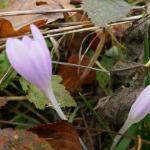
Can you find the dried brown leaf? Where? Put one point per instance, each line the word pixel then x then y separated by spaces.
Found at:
pixel 22 140
pixel 71 74
pixel 61 135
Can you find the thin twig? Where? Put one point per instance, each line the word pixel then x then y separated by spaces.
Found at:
pixel 13 98
pixel 6 74
pixel 81 66
pixel 88 132
pixel 65 24
pixel 31 12
pixel 16 123
pixel 67 28
pixel 113 132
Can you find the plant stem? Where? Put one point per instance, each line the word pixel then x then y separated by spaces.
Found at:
pixel 53 101
pixel 123 129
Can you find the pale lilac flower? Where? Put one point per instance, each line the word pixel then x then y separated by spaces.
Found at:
pixel 31 59
pixel 139 109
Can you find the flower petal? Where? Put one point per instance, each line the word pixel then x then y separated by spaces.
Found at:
pixel 141 107
pixel 37 36
pixel 18 56
pixel 25 63
pixel 42 64
pixel 26 40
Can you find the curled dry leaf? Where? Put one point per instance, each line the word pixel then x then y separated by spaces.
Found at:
pixel 71 74
pixel 61 135
pixel 22 140
pixel 7 30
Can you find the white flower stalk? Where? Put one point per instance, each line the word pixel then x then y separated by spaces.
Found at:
pixel 139 109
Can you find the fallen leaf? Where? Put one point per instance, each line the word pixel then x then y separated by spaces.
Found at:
pixel 7 30
pixel 102 12
pixel 61 135
pixel 17 25
pixel 74 41
pixel 71 74
pixel 22 140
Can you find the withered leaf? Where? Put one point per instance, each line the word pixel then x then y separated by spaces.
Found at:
pixel 17 25
pixel 61 135
pixel 72 74
pixel 22 140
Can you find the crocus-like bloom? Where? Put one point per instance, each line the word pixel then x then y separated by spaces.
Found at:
pixel 139 109
pixel 31 59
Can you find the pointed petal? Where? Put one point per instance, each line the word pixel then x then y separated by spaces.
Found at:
pixel 26 40
pixel 37 36
pixel 18 56
pixel 141 107
pixel 23 62
pixel 42 63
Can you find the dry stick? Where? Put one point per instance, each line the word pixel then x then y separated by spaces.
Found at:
pixel 139 143
pixel 88 131
pixel 85 29
pixel 67 28
pixel 74 31
pixel 52 32
pixel 113 132
pixel 31 12
pixel 81 66
pixel 13 98
pixel 15 123
pixel 65 24
pixel 81 47
pixel 94 58
pixel 6 74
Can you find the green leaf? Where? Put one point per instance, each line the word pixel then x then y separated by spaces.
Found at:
pixel 37 97
pixel 40 100
pixel 3 3
pixel 103 12
pixel 24 84
pixel 63 96
pixel 103 78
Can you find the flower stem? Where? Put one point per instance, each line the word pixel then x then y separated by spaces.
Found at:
pixel 53 101
pixel 123 129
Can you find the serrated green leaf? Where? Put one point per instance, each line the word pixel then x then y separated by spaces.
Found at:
pixel 102 12
pixel 40 100
pixel 63 96
pixel 24 84
pixel 37 97
pixel 34 95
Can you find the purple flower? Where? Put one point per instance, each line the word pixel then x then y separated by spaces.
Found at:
pixel 139 109
pixel 31 59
